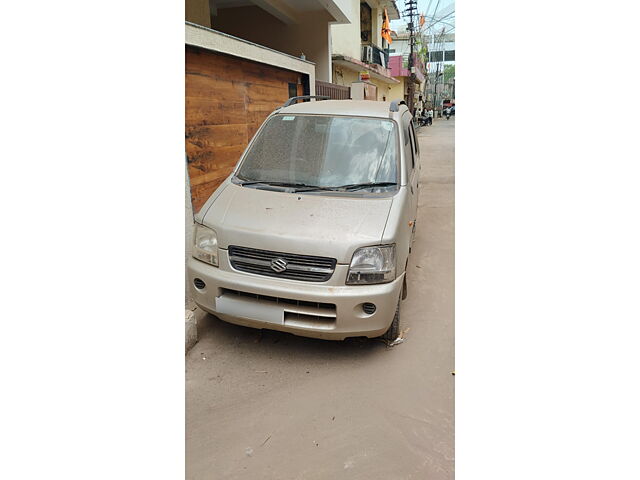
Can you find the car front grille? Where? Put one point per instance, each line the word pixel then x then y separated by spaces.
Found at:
pixel 298 267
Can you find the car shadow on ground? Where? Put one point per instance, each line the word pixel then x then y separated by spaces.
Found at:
pixel 215 333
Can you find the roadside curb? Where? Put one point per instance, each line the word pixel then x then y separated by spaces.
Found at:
pixel 191 330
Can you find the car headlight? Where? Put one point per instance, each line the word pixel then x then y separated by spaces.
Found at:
pixel 372 265
pixel 205 245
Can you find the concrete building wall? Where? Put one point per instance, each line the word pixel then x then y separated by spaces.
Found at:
pixel 197 11
pixel 310 36
pixel 219 42
pixel 344 6
pixel 397 90
pixel 345 39
pixel 383 89
pixel 344 76
pixel 376 26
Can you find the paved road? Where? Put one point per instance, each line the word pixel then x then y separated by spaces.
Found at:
pixel 282 407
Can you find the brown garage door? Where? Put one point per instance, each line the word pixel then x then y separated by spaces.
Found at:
pixel 227 99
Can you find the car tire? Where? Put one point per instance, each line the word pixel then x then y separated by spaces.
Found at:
pixel 394 330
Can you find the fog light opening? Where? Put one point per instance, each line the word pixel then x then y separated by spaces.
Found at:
pixel 199 284
pixel 368 308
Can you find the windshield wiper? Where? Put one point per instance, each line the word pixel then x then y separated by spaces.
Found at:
pixel 303 187
pixel 311 188
pixel 360 186
pixel 299 187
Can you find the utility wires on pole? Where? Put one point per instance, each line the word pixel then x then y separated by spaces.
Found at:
pixel 411 13
pixel 440 21
pixel 438 44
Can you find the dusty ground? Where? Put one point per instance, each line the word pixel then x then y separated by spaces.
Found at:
pixel 280 407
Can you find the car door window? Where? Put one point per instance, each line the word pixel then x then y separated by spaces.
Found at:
pixel 413 146
pixel 415 140
pixel 408 143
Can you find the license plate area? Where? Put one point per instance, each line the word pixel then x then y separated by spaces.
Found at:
pixel 249 308
pixel 302 314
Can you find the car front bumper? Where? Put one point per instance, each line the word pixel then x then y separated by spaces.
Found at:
pixel 318 310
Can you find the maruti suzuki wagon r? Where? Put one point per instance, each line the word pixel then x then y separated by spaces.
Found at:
pixel 311 233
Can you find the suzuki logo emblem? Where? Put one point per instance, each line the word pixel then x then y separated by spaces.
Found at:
pixel 278 265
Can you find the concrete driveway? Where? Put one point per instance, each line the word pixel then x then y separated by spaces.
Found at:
pixel 276 406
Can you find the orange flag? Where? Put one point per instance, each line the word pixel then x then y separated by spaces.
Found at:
pixel 386 29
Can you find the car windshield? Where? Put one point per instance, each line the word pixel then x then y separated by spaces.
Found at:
pixel 323 151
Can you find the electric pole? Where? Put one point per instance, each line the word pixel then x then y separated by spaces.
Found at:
pixel 438 45
pixel 411 12
pixel 435 87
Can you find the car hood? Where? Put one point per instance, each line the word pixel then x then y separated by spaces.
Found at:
pixel 306 224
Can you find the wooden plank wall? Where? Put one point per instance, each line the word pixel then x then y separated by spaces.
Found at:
pixel 227 99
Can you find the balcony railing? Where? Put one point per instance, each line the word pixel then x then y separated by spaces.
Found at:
pixel 333 91
pixel 373 54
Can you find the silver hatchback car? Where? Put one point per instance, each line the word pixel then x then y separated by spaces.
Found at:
pixel 311 233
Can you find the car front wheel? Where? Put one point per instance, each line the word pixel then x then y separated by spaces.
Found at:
pixel 394 330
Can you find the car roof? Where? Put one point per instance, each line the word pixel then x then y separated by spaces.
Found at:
pixel 364 108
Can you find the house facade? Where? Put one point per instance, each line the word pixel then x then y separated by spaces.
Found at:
pixel 400 70
pixel 358 48
pixel 442 60
pixel 399 65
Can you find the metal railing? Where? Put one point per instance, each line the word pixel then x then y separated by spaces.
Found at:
pixel 373 54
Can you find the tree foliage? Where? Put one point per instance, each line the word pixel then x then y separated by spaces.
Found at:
pixel 449 73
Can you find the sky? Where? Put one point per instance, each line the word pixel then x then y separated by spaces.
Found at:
pixel 448 23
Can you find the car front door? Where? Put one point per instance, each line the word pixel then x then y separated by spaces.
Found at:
pixel 412 166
